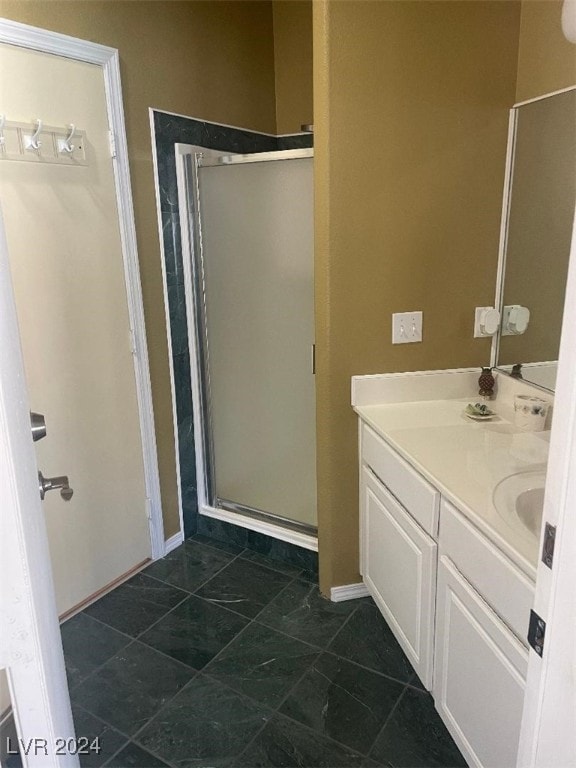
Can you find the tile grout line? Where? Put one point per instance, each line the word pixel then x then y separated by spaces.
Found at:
pixel 362 666
pixel 296 684
pixel 169 701
pixel 225 685
pixel 146 749
pixel 374 671
pixel 388 719
pixel 255 621
pixel 258 620
pixel 309 669
pixel 203 672
pixel 233 558
pixel 188 595
pixel 245 549
pixel 273 710
pixel 137 639
pixel 129 639
pixel 271 567
pixel 232 610
pixel 328 738
pixel 108 725
pixel 187 592
pixel 320 650
pixel 133 639
pixel 170 698
pixel 122 632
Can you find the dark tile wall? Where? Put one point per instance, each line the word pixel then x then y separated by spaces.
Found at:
pixel 170 130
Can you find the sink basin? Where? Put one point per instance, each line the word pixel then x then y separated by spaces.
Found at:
pixel 519 498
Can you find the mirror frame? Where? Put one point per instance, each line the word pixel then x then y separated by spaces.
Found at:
pixel 506 201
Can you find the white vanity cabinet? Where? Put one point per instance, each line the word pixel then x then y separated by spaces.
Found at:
pixel 398 556
pixel 479 673
pixel 482 608
pixel 457 605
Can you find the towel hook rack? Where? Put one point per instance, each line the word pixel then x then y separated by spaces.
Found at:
pixel 64 144
pixel 33 142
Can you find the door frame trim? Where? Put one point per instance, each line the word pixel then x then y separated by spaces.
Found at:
pixel 45 41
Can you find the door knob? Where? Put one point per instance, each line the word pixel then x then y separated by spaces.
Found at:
pixel 38 426
pixel 46 484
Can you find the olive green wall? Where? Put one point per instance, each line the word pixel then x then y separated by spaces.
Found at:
pixel 546 60
pixel 211 60
pixel 293 63
pixel 411 115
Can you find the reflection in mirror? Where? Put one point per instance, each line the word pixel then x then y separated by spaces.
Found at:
pixel 542 197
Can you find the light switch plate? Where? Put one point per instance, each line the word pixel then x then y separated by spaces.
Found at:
pixel 406 327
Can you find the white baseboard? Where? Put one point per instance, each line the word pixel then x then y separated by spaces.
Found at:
pixel 261 526
pixel 173 542
pixel 348 592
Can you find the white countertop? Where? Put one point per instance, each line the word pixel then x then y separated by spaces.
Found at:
pixel 465 460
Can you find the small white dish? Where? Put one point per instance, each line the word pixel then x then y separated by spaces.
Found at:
pixel 473 417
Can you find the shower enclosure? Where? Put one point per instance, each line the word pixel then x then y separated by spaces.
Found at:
pixel 247 243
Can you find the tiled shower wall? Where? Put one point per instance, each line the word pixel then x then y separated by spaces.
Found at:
pixel 170 130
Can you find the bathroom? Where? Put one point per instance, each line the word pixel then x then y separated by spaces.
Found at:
pixel 380 247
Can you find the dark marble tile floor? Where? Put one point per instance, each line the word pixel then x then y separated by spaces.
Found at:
pixel 216 657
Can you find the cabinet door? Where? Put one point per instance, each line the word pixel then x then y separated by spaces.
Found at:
pixel 399 569
pixel 479 673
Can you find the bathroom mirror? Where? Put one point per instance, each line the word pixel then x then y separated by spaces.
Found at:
pixel 539 215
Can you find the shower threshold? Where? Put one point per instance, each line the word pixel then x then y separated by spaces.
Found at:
pixel 258 514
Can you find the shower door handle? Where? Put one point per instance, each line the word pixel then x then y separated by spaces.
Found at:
pixel 62 483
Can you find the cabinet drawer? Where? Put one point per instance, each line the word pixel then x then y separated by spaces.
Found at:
pixel 399 570
pixel 487 569
pixel 479 673
pixel 420 498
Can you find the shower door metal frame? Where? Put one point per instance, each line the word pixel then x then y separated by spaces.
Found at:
pixel 188 161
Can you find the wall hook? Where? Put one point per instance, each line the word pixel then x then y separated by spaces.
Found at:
pixel 33 142
pixel 2 121
pixel 64 144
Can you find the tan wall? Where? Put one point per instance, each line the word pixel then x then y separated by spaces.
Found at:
pixel 212 60
pixel 546 60
pixel 411 113
pixel 293 63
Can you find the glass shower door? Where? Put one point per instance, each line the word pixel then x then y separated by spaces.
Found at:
pixel 256 249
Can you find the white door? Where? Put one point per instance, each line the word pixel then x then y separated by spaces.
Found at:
pixel 30 645
pixel 63 234
pixel 548 735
